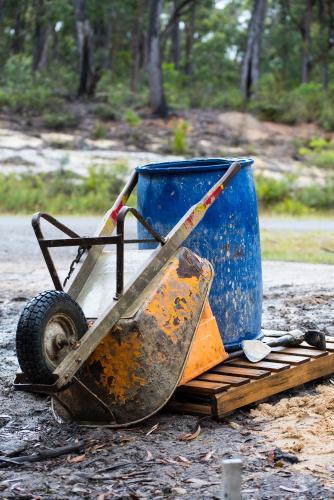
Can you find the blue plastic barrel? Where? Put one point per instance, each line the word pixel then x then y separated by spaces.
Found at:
pixel 228 236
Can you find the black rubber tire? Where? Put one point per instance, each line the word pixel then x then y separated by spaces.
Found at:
pixel 31 328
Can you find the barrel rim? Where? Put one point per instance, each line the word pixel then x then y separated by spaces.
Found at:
pixel 192 165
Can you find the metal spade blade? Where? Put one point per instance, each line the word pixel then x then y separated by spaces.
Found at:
pixel 255 350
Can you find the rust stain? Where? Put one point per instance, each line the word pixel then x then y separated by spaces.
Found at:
pixel 175 299
pixel 120 365
pixel 120 362
pixel 189 266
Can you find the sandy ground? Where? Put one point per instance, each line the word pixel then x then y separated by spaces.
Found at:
pixel 135 463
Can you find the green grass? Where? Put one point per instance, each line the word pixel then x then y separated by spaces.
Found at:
pixel 62 191
pixel 312 247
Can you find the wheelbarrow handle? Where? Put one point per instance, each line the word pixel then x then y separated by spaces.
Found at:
pixel 196 213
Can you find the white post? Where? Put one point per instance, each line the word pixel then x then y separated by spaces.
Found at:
pixel 232 479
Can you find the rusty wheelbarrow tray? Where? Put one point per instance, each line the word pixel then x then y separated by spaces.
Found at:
pixel 127 365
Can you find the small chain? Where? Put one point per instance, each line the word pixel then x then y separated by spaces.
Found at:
pixel 75 261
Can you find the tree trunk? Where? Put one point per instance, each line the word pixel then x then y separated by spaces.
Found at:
pixel 102 33
pixel 306 35
pixel 19 25
pixel 87 79
pixel 175 35
pixel 135 45
pixel 40 37
pixel 109 31
pixel 157 96
pixel 250 70
pixel 326 21
pixel 284 20
pixel 190 30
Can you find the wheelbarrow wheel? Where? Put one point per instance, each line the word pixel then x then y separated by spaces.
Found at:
pixel 49 327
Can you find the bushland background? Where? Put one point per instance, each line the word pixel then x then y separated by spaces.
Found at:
pixel 90 88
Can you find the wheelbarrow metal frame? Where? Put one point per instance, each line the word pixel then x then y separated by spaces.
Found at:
pixel 160 256
pixel 65 372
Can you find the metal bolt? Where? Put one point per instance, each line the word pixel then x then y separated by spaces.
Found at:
pixel 78 360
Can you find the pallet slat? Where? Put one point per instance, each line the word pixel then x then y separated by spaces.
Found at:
pixel 303 351
pixel 330 346
pixel 288 358
pixel 205 387
pixel 265 365
pixel 240 372
pixel 226 379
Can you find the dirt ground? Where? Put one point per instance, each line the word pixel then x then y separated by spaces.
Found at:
pixel 151 461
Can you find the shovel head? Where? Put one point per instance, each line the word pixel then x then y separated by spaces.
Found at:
pixel 255 350
pixel 136 368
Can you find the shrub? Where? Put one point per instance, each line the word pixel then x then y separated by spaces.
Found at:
pixel 120 97
pixel 283 196
pixel 179 139
pixel 59 120
pixel 324 159
pixel 271 191
pixel 32 99
pixel 228 99
pixel 131 118
pixel 318 144
pixel 326 118
pixel 21 90
pixel 306 103
pixel 106 112
pixel 269 99
pixel 291 207
pixel 174 85
pixel 100 131
pixel 319 152
pixel 317 197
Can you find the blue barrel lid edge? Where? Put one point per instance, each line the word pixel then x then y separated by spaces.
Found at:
pixel 192 165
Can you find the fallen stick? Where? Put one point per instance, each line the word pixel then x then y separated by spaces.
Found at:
pixel 43 455
pixel 114 467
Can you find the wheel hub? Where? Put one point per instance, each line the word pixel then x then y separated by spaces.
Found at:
pixel 60 337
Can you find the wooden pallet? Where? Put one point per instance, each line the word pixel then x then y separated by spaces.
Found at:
pixel 237 383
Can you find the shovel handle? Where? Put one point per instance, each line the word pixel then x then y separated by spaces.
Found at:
pixel 235 354
pixel 285 340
